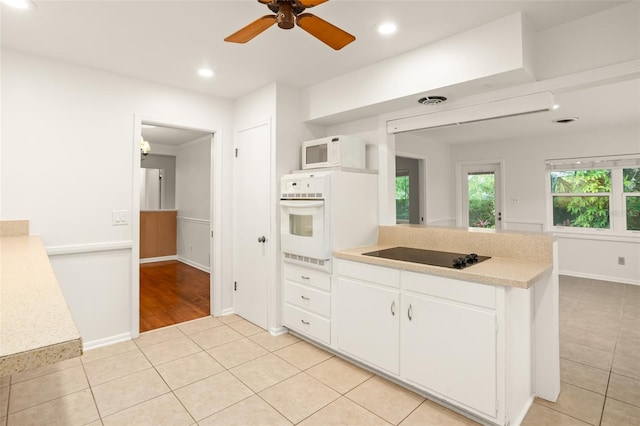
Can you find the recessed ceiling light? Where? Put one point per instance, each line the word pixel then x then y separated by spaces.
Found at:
pixel 205 72
pixel 555 107
pixel 20 4
pixel 387 28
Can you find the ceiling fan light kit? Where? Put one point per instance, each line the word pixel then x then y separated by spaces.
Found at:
pixel 288 14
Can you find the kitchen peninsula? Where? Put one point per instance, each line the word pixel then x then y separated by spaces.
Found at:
pixel 36 327
pixel 482 339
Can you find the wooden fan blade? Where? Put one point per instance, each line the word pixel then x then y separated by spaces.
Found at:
pixel 253 29
pixel 327 33
pixel 265 1
pixel 311 3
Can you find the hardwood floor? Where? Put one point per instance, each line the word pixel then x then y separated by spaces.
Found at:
pixel 172 292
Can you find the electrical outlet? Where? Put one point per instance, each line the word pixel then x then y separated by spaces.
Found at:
pixel 621 260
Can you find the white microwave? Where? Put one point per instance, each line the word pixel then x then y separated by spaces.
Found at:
pixel 334 151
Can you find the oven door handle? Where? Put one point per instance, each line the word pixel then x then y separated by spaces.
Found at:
pixel 301 203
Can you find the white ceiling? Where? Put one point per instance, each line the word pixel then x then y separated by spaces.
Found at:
pixel 169 136
pixel 167 41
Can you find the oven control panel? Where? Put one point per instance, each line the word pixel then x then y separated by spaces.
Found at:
pixel 305 185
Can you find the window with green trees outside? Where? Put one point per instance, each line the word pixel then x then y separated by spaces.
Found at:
pixel 599 199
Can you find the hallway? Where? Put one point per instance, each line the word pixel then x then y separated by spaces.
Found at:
pixel 172 292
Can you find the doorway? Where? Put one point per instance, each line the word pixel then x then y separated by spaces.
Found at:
pixel 410 188
pixel 481 200
pixel 174 283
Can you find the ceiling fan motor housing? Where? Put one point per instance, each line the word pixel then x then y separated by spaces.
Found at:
pixel 286 17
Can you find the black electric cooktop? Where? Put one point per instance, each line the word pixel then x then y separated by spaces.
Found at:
pixel 429 257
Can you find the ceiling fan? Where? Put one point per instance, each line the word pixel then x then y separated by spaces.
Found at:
pixel 289 13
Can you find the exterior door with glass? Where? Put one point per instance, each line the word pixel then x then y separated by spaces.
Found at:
pixel 481 189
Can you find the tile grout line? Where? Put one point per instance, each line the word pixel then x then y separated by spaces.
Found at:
pixel 93 397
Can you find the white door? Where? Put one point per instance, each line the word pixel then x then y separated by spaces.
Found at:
pixel 251 223
pixel 481 189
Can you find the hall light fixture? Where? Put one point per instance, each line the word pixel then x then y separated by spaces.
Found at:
pixel 145 148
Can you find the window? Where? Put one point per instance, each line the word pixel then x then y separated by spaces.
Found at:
pixel 600 194
pixel 631 183
pixel 581 198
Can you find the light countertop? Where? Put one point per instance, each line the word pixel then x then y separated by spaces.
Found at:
pixel 36 327
pixel 517 270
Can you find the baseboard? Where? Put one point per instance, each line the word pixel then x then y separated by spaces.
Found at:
pixel 158 259
pixel 226 312
pixel 94 344
pixel 599 277
pixel 196 265
pixel 519 418
pixel 278 331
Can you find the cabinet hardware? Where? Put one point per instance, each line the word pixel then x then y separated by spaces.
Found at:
pixel 409 313
pixel 305 322
pixel 304 278
pixel 305 298
pixel 393 308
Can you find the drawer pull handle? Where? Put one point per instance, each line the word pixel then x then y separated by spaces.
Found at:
pixel 304 278
pixel 409 312
pixel 305 322
pixel 305 298
pixel 393 308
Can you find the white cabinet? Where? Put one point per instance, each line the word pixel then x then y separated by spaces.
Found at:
pixel 434 333
pixel 450 348
pixel 367 322
pixel 307 302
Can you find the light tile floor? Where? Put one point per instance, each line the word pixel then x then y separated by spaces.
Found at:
pixel 599 356
pixel 227 371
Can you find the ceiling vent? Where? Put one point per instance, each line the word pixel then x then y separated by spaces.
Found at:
pixel 566 120
pixel 536 102
pixel 432 100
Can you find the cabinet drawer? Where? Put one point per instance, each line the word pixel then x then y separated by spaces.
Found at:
pixel 307 276
pixel 372 273
pixel 307 323
pixel 307 298
pixel 446 288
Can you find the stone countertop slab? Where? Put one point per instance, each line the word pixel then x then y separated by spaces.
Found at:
pixel 36 327
pixel 517 259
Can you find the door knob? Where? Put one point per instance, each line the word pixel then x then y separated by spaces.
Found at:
pixel 262 239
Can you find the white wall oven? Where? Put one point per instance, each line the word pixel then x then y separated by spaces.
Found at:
pixel 305 226
pixel 326 210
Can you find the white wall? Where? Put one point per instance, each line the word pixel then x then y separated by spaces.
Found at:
pixel 500 50
pixel 524 180
pixel 605 38
pixel 68 148
pixel 193 191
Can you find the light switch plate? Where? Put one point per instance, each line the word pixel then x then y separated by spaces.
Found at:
pixel 119 217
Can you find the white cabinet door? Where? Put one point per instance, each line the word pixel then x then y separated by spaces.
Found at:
pixel 450 348
pixel 367 323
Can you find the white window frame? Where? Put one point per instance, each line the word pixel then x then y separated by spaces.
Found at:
pixel 617 198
